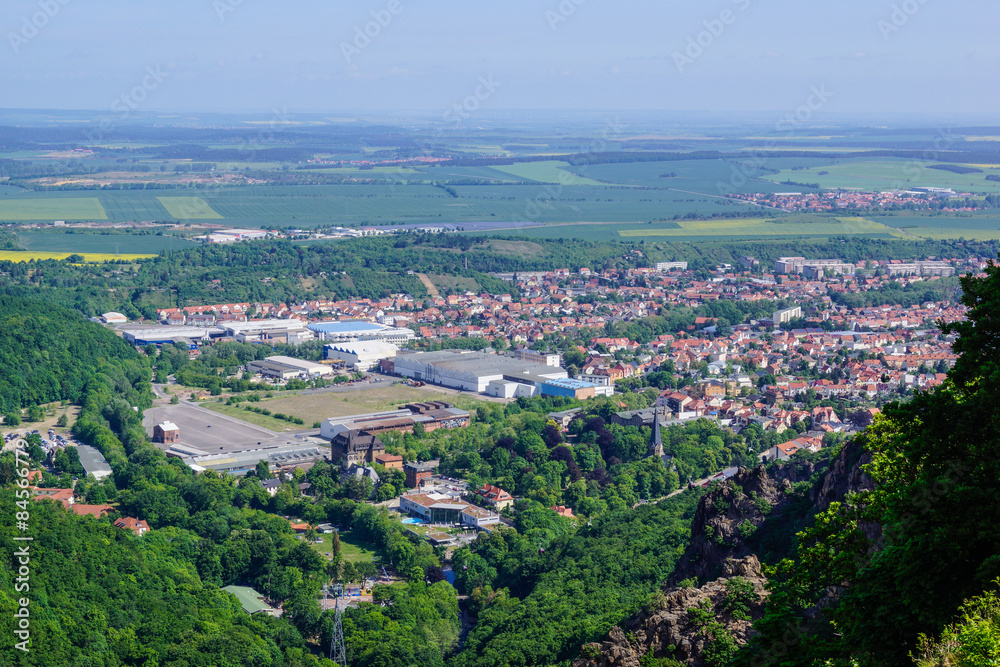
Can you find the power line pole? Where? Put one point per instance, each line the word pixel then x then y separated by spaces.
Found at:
pixel 338 653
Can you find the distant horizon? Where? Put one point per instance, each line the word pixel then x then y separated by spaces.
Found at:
pixel 881 57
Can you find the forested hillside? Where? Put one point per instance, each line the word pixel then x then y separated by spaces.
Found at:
pixel 49 353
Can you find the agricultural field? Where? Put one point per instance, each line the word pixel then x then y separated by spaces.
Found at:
pixel 981 225
pixel 745 228
pixel 27 256
pixel 17 209
pixel 189 208
pixel 58 241
pixel 888 173
pixel 549 171
pixel 457 284
pixel 713 177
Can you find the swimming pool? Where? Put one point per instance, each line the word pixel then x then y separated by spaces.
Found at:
pixel 412 521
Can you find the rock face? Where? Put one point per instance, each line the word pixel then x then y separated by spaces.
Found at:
pixel 670 629
pixel 721 549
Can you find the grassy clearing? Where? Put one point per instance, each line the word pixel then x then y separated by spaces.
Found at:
pixel 52 208
pixel 94 257
pixel 352 548
pixel 188 208
pixel 270 423
pixel 317 406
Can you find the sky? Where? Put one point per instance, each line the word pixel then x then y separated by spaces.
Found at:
pixel 839 56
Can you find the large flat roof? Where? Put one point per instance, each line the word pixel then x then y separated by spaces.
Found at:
pixel 346 327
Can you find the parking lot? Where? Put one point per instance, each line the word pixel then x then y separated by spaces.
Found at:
pixel 211 431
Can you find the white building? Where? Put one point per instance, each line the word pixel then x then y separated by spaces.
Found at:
pixel 286 368
pixel 671 266
pixel 362 356
pixel 471 371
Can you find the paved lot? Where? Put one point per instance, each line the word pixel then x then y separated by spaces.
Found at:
pixel 211 431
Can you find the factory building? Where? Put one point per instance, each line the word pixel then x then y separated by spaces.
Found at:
pixel 432 415
pixel 471 371
pixel 286 368
pixel 362 355
pixel 166 432
pixel 346 331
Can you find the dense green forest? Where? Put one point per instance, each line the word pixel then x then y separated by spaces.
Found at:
pixel 50 353
pixel 375 267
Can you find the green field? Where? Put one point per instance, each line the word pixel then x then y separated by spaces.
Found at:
pixel 352 548
pixel 317 406
pixel 236 412
pixel 64 208
pixel 888 173
pixel 748 227
pixel 980 225
pixel 60 241
pixel 549 171
pixel 189 208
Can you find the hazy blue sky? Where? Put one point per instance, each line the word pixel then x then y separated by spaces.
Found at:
pixel 931 56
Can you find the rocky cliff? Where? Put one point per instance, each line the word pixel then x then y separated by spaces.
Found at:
pixel 756 513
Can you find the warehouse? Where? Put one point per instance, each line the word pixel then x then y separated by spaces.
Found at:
pixel 362 355
pixel 286 368
pixel 432 415
pixel 471 371
pixel 353 330
pixel 93 462
pixel 160 335
pixel 277 458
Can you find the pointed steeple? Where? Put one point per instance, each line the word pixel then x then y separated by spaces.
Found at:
pixel 656 440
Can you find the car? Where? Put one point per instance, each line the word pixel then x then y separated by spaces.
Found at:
pixel 208 426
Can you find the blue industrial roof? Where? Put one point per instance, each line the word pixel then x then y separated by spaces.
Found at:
pixel 567 383
pixel 341 327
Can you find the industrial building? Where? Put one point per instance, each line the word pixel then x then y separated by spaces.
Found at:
pixel 286 368
pixel 432 415
pixel 362 355
pixel 167 334
pixel 278 457
pixel 93 462
pixel 352 330
pixel 471 371
pixel 291 331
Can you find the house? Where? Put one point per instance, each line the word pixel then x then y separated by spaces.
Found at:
pixel 97 511
pixel 64 496
pixel 271 486
pixel 563 511
pixel 390 461
pixel 137 526
pixel 417 472
pixel 495 496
